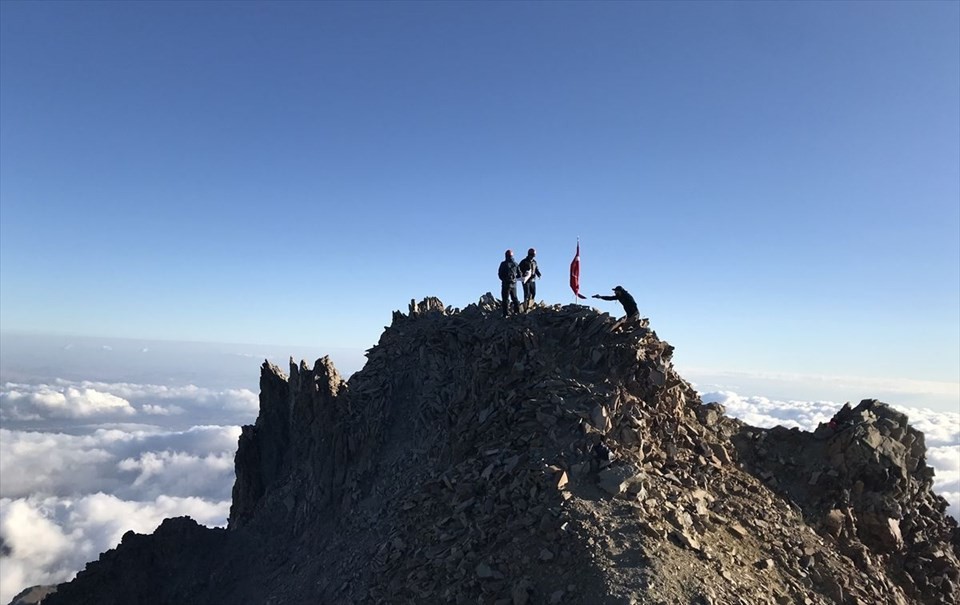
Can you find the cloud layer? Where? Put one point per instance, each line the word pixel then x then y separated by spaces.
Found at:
pixel 139 465
pixel 82 462
pixel 77 403
pixel 937 395
pixel 51 538
pixel 68 402
pixel 64 498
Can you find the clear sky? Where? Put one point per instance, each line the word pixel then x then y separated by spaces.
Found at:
pixel 778 184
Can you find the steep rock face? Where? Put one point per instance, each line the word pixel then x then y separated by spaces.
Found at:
pixel 553 457
pixel 297 433
pixel 263 454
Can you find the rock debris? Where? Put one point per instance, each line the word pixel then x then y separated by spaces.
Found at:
pixel 551 457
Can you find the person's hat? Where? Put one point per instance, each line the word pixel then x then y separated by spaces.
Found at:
pixel 531 252
pixel 509 253
pixel 618 288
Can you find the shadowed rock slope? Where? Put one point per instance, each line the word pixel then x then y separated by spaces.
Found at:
pixel 552 457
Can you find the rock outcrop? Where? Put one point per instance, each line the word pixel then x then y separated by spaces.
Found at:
pixel 862 479
pixel 551 457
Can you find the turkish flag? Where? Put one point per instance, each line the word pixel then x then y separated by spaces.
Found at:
pixel 575 273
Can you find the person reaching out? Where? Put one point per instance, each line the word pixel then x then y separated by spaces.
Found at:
pixel 624 298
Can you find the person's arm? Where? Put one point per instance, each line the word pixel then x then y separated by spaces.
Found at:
pixel 600 296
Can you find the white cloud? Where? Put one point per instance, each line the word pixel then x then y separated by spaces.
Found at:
pixel 170 472
pixel 52 538
pixel 62 402
pixel 38 462
pixel 241 400
pixel 939 395
pixel 39 549
pixel 763 412
pixel 68 493
pixel 159 410
pixel 862 383
pixel 136 465
pixel 64 499
pixel 234 400
pixel 230 399
pixel 946 461
pixel 28 405
pixel 938 428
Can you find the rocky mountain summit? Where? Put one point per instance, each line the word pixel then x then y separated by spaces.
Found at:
pixel 550 457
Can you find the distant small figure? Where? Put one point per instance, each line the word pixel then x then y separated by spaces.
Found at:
pixel 529 273
pixel 509 273
pixel 621 295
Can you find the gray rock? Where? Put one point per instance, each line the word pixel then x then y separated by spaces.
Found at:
pixel 614 479
pixel 483 571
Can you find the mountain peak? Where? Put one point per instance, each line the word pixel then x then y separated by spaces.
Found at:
pixel 550 457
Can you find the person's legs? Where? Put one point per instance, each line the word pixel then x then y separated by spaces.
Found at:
pixel 528 290
pixel 513 298
pixel 504 293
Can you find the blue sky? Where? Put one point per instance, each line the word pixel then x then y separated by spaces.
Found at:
pixel 778 184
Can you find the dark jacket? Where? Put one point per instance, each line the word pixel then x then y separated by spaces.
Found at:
pixel 509 271
pixel 624 298
pixel 530 264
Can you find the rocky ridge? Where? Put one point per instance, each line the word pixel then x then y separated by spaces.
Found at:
pixel 552 457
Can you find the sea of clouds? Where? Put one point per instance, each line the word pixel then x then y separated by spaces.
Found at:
pixel 96 460
pixel 83 462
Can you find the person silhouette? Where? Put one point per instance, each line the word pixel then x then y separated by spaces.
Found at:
pixel 529 273
pixel 508 273
pixel 624 298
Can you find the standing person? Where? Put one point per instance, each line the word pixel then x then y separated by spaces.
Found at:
pixel 529 273
pixel 508 273
pixel 624 298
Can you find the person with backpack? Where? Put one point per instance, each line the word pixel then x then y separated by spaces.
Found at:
pixel 508 273
pixel 529 273
pixel 624 298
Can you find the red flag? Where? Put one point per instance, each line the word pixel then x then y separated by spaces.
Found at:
pixel 575 273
